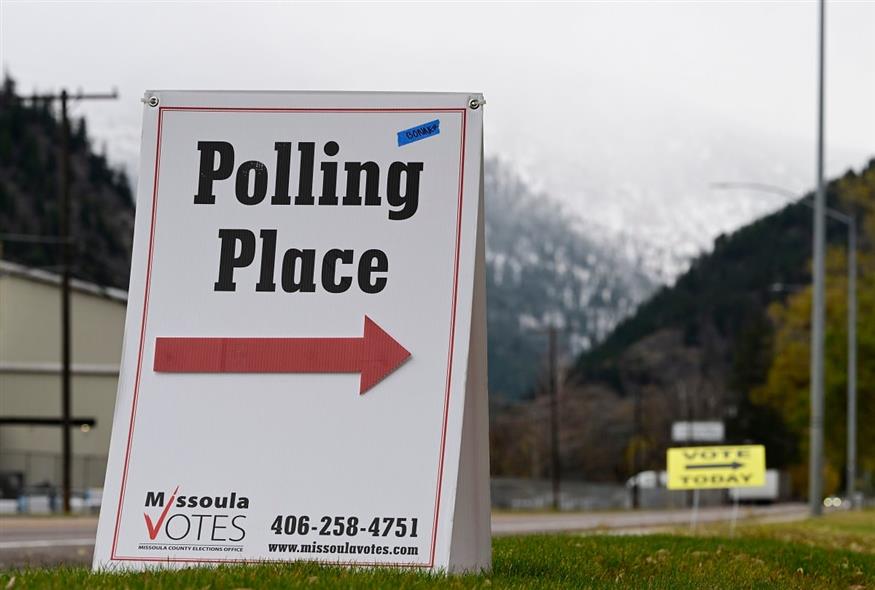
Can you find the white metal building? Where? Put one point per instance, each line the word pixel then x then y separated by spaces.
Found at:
pixel 30 374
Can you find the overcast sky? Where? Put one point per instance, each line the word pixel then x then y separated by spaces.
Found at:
pixel 562 81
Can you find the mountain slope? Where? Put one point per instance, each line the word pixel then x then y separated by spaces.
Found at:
pixel 544 268
pixel 102 207
pixel 697 349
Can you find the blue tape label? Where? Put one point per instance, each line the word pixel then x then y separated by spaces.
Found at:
pixel 419 132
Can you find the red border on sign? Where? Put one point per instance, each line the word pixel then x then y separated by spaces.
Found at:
pixel 437 504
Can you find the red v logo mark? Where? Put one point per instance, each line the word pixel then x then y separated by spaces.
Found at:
pixel 154 528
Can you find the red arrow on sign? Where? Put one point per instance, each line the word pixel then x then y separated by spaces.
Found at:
pixel 375 355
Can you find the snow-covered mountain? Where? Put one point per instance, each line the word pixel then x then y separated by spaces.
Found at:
pixel 647 182
pixel 546 266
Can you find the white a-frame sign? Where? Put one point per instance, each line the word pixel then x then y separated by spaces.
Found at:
pixel 304 365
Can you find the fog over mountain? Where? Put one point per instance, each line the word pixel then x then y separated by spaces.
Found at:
pixel 635 167
pixel 625 112
pixel 645 181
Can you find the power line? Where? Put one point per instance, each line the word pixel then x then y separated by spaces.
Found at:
pixel 32 238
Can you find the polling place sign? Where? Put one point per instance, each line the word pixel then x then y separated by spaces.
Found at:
pixel 716 467
pixel 304 364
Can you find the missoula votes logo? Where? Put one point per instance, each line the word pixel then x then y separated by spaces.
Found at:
pixel 175 521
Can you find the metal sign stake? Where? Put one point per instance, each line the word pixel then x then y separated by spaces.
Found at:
pixel 734 520
pixel 694 520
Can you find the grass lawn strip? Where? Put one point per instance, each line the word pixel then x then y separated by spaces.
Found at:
pixel 558 561
pixel 835 552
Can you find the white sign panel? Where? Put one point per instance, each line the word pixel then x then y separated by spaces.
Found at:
pixel 713 431
pixel 303 372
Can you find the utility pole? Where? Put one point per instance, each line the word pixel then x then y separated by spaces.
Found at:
pixel 555 472
pixel 688 400
pixel 553 380
pixel 66 260
pixel 852 359
pixel 636 446
pixel 66 256
pixel 815 462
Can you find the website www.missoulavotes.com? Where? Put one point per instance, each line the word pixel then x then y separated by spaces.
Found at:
pixel 344 549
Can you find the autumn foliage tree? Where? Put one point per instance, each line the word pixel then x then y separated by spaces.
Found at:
pixel 787 385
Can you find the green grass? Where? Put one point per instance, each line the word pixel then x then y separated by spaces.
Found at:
pixel 835 552
pixel 854 531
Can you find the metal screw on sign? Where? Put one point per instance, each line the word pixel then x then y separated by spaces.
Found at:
pixel 476 103
pixel 153 101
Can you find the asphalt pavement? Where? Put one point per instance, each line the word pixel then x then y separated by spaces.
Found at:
pixel 46 540
pixel 51 540
pixel 632 521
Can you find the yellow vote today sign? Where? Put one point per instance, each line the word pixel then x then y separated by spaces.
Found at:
pixel 698 468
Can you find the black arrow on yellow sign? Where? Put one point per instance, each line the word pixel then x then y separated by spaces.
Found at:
pixel 733 465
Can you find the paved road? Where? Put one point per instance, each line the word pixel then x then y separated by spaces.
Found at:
pixel 50 540
pixel 46 540
pixel 633 521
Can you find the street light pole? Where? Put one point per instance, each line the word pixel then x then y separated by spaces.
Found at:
pixel 815 461
pixel 848 220
pixel 852 361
